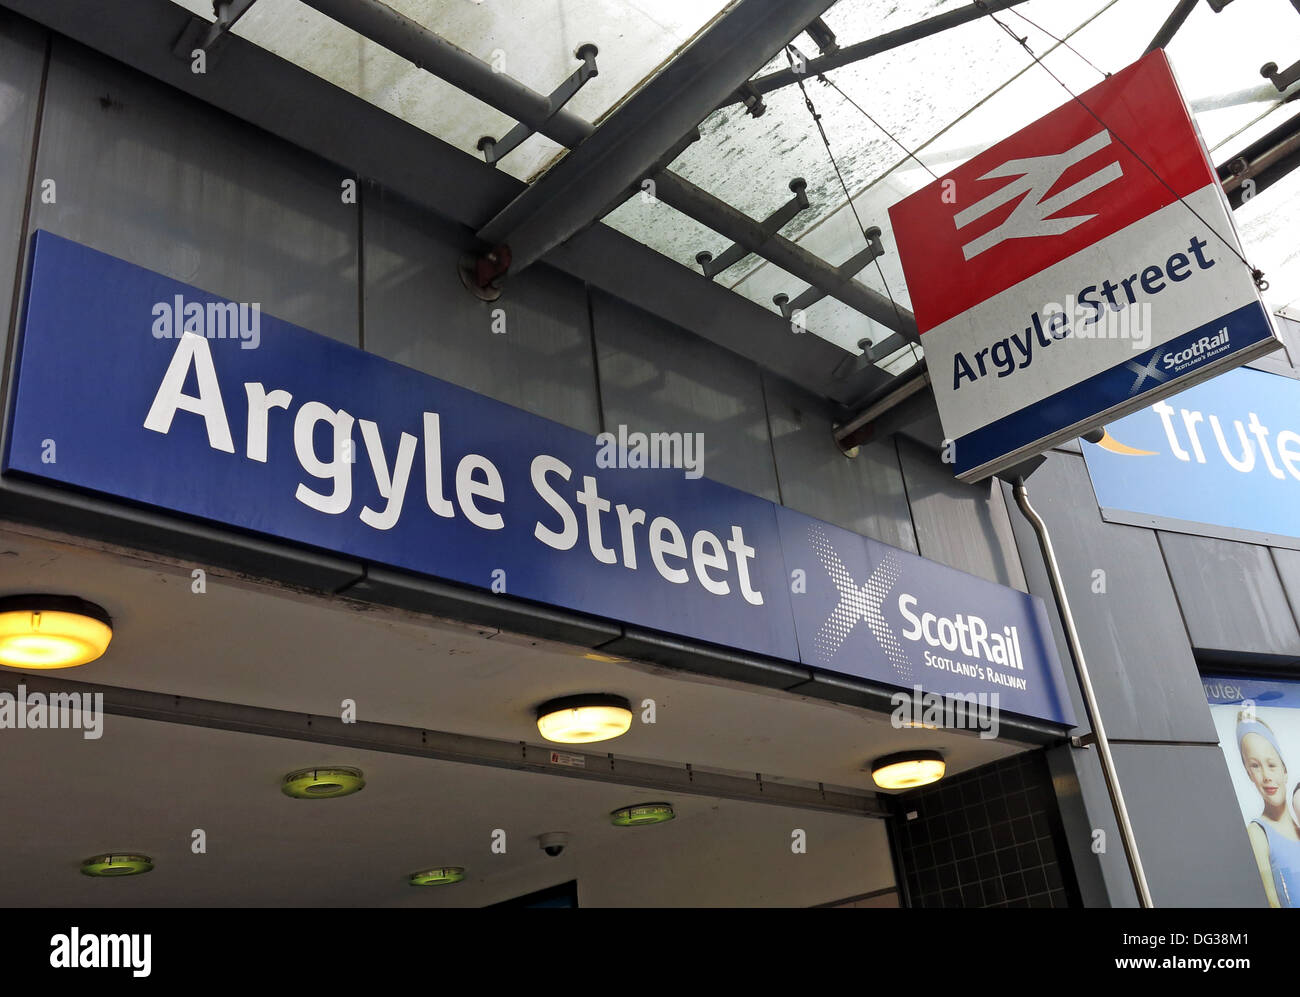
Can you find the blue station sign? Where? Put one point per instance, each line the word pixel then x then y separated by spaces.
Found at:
pixel 145 389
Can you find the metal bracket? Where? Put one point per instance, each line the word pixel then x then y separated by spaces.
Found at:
pixel 752 99
pixel 771 225
pixel 483 275
pixel 1280 80
pixel 494 151
pixel 199 34
pixel 823 37
pixel 846 271
pixel 1084 740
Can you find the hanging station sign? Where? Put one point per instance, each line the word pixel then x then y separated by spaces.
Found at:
pixel 138 387
pixel 1077 271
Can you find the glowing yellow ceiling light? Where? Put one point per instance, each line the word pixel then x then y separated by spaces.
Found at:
pixel 908 769
pixel 51 631
pixel 583 719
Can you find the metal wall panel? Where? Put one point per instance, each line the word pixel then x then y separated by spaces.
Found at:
pixel 1133 636
pixel 655 377
pixel 1231 597
pixel 1288 570
pixel 864 494
pixel 963 526
pixel 530 348
pixel 22 61
pixel 164 181
pixel 1188 826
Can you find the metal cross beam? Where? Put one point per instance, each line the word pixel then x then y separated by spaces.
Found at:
pixel 847 54
pixel 772 224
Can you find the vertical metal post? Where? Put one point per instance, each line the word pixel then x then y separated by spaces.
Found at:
pixel 1090 699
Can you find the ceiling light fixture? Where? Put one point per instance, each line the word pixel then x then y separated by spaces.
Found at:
pixel 322 783
pixel 117 865
pixel 907 769
pixel 438 877
pixel 583 719
pixel 642 813
pixel 51 631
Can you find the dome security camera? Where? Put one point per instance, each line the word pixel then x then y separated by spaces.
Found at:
pixel 553 842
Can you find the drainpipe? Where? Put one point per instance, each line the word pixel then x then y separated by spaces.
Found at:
pixel 1089 697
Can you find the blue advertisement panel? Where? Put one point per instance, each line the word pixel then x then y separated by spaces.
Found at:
pixel 1225 453
pixel 136 386
pixel 1258 723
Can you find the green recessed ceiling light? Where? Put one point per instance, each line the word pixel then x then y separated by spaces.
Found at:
pixel 322 783
pixel 642 813
pixel 117 864
pixel 438 877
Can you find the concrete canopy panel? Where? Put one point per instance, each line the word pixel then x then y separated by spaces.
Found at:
pixel 657 378
pixel 165 181
pixel 963 526
pixel 1232 598
pixel 531 348
pixel 864 494
pixel 1133 636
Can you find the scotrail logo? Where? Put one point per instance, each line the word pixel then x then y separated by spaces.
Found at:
pixel 1168 361
pixel 1037 176
pixel 981 646
pixel 857 603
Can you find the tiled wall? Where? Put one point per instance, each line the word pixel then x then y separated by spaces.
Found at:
pixel 991 837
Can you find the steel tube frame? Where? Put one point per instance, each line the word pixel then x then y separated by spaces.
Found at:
pixel 574 193
pixel 543 217
pixel 430 52
pixel 690 200
pixel 1089 696
pixel 875 46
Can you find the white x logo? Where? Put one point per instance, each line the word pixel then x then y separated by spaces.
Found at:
pixel 858 603
pixel 1144 372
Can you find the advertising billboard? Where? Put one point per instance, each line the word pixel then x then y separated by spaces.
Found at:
pixel 1258 722
pixel 1220 459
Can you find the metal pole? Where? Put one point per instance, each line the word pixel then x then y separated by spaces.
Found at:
pixel 1089 697
pixel 1170 28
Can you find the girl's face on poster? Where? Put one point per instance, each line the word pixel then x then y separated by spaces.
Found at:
pixel 1265 768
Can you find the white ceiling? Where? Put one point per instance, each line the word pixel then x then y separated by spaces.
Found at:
pixel 145 787
pixel 252 644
